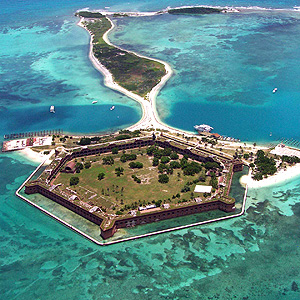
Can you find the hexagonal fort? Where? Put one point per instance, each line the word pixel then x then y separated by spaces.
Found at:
pixel 136 181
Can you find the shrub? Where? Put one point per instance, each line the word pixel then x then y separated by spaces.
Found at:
pixel 136 165
pixel 165 159
pixel 78 167
pixel 174 156
pixel 136 179
pixel 108 160
pixel 74 180
pixel 87 165
pixel 175 165
pixel 150 150
pixel 155 162
pixel 115 150
pixel 123 137
pixel 163 178
pixel 101 176
pixel 126 157
pixel 185 189
pixel 84 141
pixel 119 171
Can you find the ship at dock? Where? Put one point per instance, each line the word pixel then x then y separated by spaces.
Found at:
pixel 203 128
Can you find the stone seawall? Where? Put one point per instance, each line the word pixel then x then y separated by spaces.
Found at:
pixel 130 221
pixel 108 229
pixel 36 188
pixel 174 213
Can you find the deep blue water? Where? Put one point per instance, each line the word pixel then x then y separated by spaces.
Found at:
pixel 75 119
pixel 229 67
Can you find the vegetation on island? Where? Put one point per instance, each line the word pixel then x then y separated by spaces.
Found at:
pixel 128 179
pixel 194 10
pixel 123 134
pixel 264 165
pixel 89 14
pixel 136 74
pixel 74 180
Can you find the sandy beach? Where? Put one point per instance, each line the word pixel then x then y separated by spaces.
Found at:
pixel 35 156
pixel 150 118
pixel 278 178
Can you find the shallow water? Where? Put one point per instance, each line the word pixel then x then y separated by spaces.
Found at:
pixel 255 256
pixel 44 62
pixel 226 67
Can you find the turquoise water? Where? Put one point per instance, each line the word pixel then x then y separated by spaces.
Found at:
pixel 226 67
pixel 222 64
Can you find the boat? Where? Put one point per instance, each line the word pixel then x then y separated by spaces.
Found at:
pixel 94 102
pixel 112 108
pixel 52 109
pixel 203 128
pixel 275 90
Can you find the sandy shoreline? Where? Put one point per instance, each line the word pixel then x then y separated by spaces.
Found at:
pixel 278 178
pixel 35 156
pixel 150 117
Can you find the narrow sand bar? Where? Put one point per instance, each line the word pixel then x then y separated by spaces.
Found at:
pixel 150 118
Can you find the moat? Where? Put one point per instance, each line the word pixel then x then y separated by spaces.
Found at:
pixel 124 183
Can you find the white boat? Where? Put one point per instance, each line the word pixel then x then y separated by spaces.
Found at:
pixel 52 109
pixel 94 102
pixel 275 90
pixel 203 128
pixel 112 108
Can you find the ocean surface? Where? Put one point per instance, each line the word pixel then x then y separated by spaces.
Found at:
pixel 225 68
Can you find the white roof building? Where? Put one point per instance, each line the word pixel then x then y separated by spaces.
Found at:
pixel 202 189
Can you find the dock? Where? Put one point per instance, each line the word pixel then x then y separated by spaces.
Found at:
pixel 40 133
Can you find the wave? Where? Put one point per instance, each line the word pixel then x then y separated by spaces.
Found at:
pixel 227 9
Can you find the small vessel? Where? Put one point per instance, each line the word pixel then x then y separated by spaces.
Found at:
pixel 112 108
pixel 52 109
pixel 275 90
pixel 94 102
pixel 203 128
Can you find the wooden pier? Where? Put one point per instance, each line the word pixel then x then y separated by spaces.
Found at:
pixel 40 133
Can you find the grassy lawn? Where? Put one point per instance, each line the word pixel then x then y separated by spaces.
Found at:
pixel 118 191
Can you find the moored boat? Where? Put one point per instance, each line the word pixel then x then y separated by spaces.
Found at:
pixel 203 128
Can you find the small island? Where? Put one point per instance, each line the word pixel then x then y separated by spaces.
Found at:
pixel 195 10
pixel 135 73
